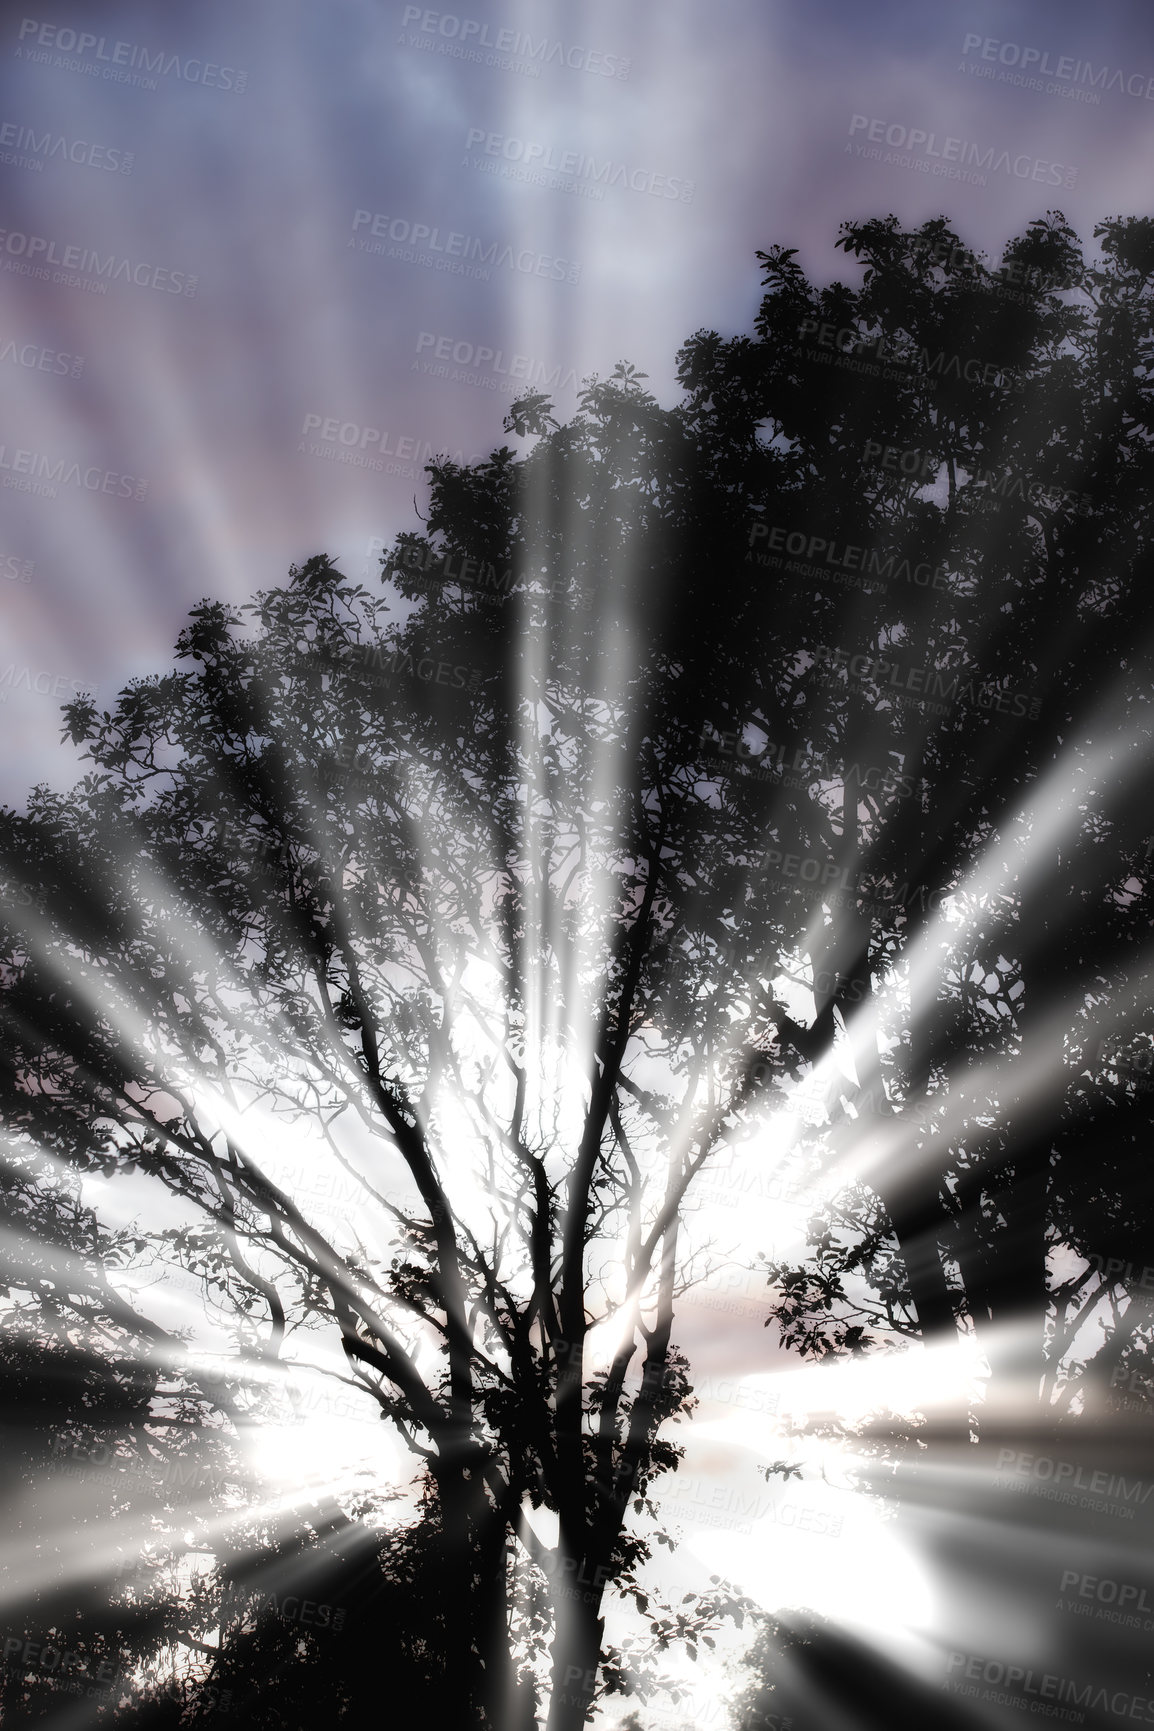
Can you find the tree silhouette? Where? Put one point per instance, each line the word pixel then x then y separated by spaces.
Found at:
pixel 1035 499
pixel 106 1445
pixel 302 1616
pixel 299 875
pixel 497 880
pixel 113 1452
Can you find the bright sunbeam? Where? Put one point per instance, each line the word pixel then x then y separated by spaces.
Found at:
pixel 575 1072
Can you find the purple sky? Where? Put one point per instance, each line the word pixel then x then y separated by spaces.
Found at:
pixel 728 129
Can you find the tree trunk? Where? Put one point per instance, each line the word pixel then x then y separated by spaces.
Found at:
pixel 463 1586
pixel 576 1648
pixel 499 1692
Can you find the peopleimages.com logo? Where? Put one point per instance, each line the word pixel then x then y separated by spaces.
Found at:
pixel 475 363
pixel 898 361
pixel 33 472
pixel 815 552
pixel 483 366
pixel 124 63
pixel 923 467
pixel 239 1601
pixel 44 683
pixel 84 267
pixel 40 359
pixel 1106 1599
pixel 14 569
pixel 365 447
pixel 459 254
pixel 896 678
pixel 574 166
pixel 1035 62
pixel 920 145
pixel 465 38
pixel 1021 1686
pixel 24 147
pixel 1069 1482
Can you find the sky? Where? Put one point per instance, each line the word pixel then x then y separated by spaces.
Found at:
pixel 258 263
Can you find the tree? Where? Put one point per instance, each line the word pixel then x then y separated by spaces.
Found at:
pixel 497 880
pixel 470 914
pixel 107 1446
pixel 301 1615
pixel 123 1469
pixel 988 1117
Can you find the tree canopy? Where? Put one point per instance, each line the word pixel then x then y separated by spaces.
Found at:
pixel 496 877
